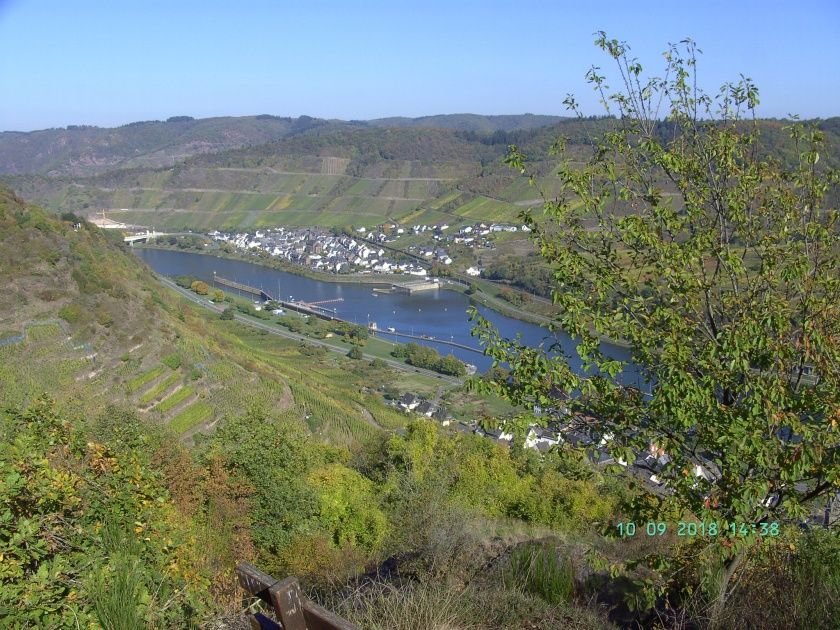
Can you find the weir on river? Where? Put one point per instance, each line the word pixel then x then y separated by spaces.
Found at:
pixel 311 308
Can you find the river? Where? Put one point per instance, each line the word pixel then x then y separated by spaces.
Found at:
pixel 439 313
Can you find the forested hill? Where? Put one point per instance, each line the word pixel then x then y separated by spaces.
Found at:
pixel 87 150
pixel 471 122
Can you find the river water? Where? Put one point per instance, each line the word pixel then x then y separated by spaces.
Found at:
pixel 436 313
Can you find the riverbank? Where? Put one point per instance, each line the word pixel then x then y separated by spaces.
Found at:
pixel 376 348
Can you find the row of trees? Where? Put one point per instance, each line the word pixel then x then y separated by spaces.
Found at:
pixel 429 358
pixel 529 273
pixel 317 327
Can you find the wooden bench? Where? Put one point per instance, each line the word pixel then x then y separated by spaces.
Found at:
pixel 293 609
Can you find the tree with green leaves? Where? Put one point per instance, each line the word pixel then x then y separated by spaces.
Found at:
pixel 228 313
pixel 718 265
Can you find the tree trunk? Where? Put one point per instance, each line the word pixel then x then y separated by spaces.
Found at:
pixel 724 590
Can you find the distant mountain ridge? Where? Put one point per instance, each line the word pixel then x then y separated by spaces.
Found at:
pixel 81 150
pixel 472 122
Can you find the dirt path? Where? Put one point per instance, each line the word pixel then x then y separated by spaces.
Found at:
pixel 368 417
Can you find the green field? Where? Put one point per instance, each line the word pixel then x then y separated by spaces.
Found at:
pixel 141 379
pixel 160 388
pixel 174 400
pixel 191 416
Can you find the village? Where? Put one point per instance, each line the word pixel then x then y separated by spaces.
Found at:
pixel 367 250
pixel 560 427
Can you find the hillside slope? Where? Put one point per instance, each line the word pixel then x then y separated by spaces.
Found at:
pixel 337 174
pixel 470 122
pixel 85 150
pixel 81 150
pixel 112 521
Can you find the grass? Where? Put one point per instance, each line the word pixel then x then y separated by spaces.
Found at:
pixel 386 607
pixel 539 570
pixel 42 332
pixel 117 593
pixel 158 389
pixel 174 400
pixel 486 209
pixel 146 377
pixel 191 416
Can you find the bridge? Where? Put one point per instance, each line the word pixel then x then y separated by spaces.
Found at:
pixel 300 307
pixel 241 287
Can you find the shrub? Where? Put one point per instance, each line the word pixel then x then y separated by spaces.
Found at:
pixel 105 319
pixel 71 313
pixel 200 287
pixel 355 353
pixel 227 313
pixel 173 360
pixel 185 282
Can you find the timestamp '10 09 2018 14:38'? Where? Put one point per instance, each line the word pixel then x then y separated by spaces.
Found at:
pixel 711 529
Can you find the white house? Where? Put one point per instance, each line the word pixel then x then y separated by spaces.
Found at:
pixel 473 271
pixel 539 435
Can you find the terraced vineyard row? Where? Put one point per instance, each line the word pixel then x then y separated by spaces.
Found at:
pixel 174 399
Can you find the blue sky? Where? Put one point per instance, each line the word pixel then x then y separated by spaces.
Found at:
pixel 109 63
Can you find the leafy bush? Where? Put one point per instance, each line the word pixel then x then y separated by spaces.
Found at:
pixel 173 360
pixel 355 353
pixel 200 287
pixel 60 490
pixel 71 313
pixel 312 350
pixel 802 570
pixel 185 282
pixel 429 358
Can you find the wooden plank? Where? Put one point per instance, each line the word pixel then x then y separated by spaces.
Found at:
pixel 286 598
pixel 255 581
pixel 294 610
pixel 319 618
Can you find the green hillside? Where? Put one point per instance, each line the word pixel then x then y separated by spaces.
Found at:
pixel 146 446
pixel 80 150
pixel 337 174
